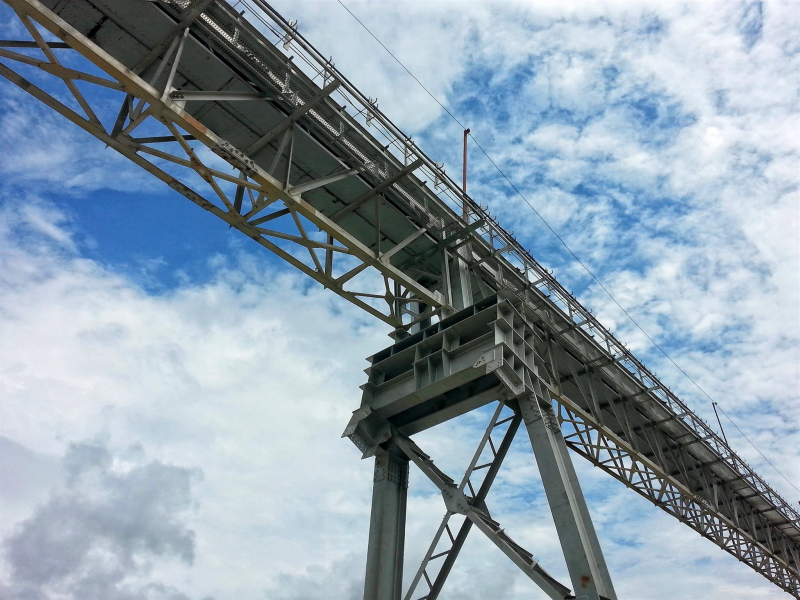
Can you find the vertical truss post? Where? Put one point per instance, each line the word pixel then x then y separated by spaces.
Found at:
pixel 585 562
pixel 461 288
pixel 387 526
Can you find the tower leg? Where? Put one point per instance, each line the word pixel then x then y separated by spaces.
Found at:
pixel 585 563
pixel 387 527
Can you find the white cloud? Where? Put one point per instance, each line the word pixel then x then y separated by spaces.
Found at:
pixel 50 150
pixel 97 536
pixel 249 379
pixel 250 376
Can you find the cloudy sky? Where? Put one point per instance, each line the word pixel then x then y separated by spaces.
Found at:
pixel 173 396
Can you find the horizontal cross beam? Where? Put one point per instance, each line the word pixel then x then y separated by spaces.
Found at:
pixel 292 118
pixel 379 189
pixel 221 96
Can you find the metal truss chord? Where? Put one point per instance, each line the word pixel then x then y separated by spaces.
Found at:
pixel 28 44
pixel 152 104
pixel 616 457
pixel 686 460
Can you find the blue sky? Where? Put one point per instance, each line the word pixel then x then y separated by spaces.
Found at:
pixel 143 341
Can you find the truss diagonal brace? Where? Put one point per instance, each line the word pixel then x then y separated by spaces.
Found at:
pixel 457 502
pixel 379 189
pixel 594 441
pixel 166 110
pixel 312 185
pixel 192 12
pixel 478 500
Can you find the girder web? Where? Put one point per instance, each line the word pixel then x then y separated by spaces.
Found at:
pixel 153 131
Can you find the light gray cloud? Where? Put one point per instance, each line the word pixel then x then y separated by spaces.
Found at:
pixel 339 579
pixel 98 533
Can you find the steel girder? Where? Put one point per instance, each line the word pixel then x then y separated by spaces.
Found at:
pixel 618 427
pixel 476 356
pixel 626 435
pixel 418 280
pixel 467 360
pixel 155 102
pixel 378 437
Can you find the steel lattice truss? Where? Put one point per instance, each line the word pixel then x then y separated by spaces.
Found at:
pixel 291 154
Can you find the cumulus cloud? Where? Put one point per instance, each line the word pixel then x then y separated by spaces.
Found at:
pixel 256 399
pixel 99 533
pixel 660 140
pixel 656 137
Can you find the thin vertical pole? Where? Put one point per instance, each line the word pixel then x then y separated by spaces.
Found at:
pixel 464 184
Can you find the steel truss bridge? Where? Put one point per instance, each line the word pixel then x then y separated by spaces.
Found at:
pixel 238 113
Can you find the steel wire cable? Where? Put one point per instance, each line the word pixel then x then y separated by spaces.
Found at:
pixel 568 249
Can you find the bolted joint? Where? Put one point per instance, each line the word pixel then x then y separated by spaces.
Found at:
pixel 491 360
pixel 391 467
pixel 367 431
pixel 455 500
pixel 534 408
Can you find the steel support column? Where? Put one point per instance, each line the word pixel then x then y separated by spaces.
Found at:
pixel 461 290
pixel 387 527
pixel 585 562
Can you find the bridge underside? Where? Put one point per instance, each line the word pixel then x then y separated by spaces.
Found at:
pixel 496 351
pixel 288 152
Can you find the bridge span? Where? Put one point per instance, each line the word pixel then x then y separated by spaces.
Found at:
pixel 307 166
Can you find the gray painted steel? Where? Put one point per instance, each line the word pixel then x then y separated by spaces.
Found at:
pixel 387 526
pixel 482 354
pixel 585 562
pixel 331 186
